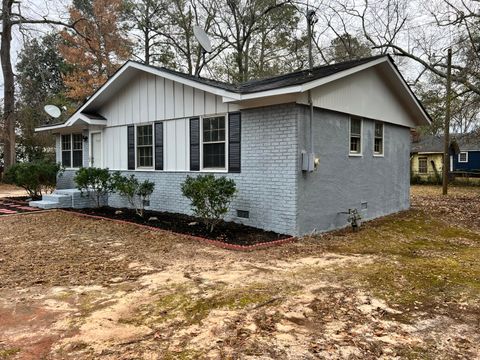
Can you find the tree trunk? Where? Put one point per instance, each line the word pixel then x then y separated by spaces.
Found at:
pixel 9 87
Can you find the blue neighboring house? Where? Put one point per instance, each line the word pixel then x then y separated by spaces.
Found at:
pixel 427 153
pixel 466 154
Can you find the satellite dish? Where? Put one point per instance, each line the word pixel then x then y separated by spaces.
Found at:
pixel 52 110
pixel 202 38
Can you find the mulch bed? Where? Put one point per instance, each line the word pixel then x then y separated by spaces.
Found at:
pixel 8 207
pixel 226 232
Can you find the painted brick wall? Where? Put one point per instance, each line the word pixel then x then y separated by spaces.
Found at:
pixel 267 184
pixel 341 182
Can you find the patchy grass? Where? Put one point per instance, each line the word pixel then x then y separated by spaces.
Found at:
pixel 421 262
pixel 8 353
pixel 181 305
pixel 406 286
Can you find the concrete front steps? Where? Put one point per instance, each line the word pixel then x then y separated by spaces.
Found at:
pixel 55 200
pixel 66 198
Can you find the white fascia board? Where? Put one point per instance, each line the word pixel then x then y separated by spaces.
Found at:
pixel 309 85
pixel 316 83
pixel 195 84
pixel 426 118
pixel 261 94
pixel 159 72
pixel 48 128
pixel 71 121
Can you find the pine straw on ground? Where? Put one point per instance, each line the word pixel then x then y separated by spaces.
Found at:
pixel 460 207
pixel 405 286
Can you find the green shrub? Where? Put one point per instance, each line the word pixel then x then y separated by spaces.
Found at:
pixel 36 177
pixel 210 197
pixel 94 180
pixel 136 192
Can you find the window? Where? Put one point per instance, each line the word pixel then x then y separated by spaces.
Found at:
pixel 72 150
pixel 145 146
pixel 422 165
pixel 77 152
pixel 463 157
pixel 213 142
pixel 378 141
pixel 355 136
pixel 66 150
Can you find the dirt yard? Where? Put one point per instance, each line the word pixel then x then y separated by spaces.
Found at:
pixel 11 190
pixel 406 286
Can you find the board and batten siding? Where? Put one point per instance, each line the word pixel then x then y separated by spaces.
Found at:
pixel 176 150
pixel 115 148
pixel 150 98
pixel 147 99
pixel 366 94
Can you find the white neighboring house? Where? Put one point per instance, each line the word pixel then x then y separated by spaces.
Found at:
pixel 164 125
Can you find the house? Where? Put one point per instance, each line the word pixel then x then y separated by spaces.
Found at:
pixel 427 155
pixel 303 148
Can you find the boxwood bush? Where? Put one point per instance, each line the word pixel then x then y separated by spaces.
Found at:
pixel 94 181
pixel 37 177
pixel 210 197
pixel 137 193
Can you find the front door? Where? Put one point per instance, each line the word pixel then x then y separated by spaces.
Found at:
pixel 96 152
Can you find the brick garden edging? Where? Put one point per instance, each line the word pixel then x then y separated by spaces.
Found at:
pixel 216 243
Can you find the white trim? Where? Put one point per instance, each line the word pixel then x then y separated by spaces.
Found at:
pixel 322 81
pixel 71 150
pixel 202 169
pixel 451 162
pixel 466 157
pixel 410 93
pixel 355 154
pixel 90 149
pixel 382 154
pixel 142 168
pixel 230 96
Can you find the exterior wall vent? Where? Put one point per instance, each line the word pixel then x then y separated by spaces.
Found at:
pixel 243 214
pixel 364 205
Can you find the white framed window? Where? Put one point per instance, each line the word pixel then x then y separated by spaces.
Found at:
pixel 77 150
pixel 144 146
pixel 355 136
pixel 422 165
pixel 214 143
pixel 72 150
pixel 378 139
pixel 463 157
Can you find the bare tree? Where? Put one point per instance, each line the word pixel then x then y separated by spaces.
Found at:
pixel 13 18
pixel 146 18
pixel 237 25
pixel 386 26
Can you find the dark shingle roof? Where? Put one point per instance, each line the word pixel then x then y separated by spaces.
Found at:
pixel 290 79
pixel 434 143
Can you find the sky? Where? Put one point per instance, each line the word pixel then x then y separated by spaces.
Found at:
pixel 35 9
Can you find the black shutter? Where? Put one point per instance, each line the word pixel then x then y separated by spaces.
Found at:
pixel 159 146
pixel 131 147
pixel 195 144
pixel 234 148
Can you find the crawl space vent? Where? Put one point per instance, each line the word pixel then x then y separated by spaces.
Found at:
pixel 243 214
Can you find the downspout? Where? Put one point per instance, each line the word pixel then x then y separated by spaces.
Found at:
pixel 312 147
pixel 311 156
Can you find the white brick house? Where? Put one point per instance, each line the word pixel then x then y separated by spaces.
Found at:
pixel 353 118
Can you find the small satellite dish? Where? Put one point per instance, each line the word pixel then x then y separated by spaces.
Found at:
pixel 52 110
pixel 202 38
